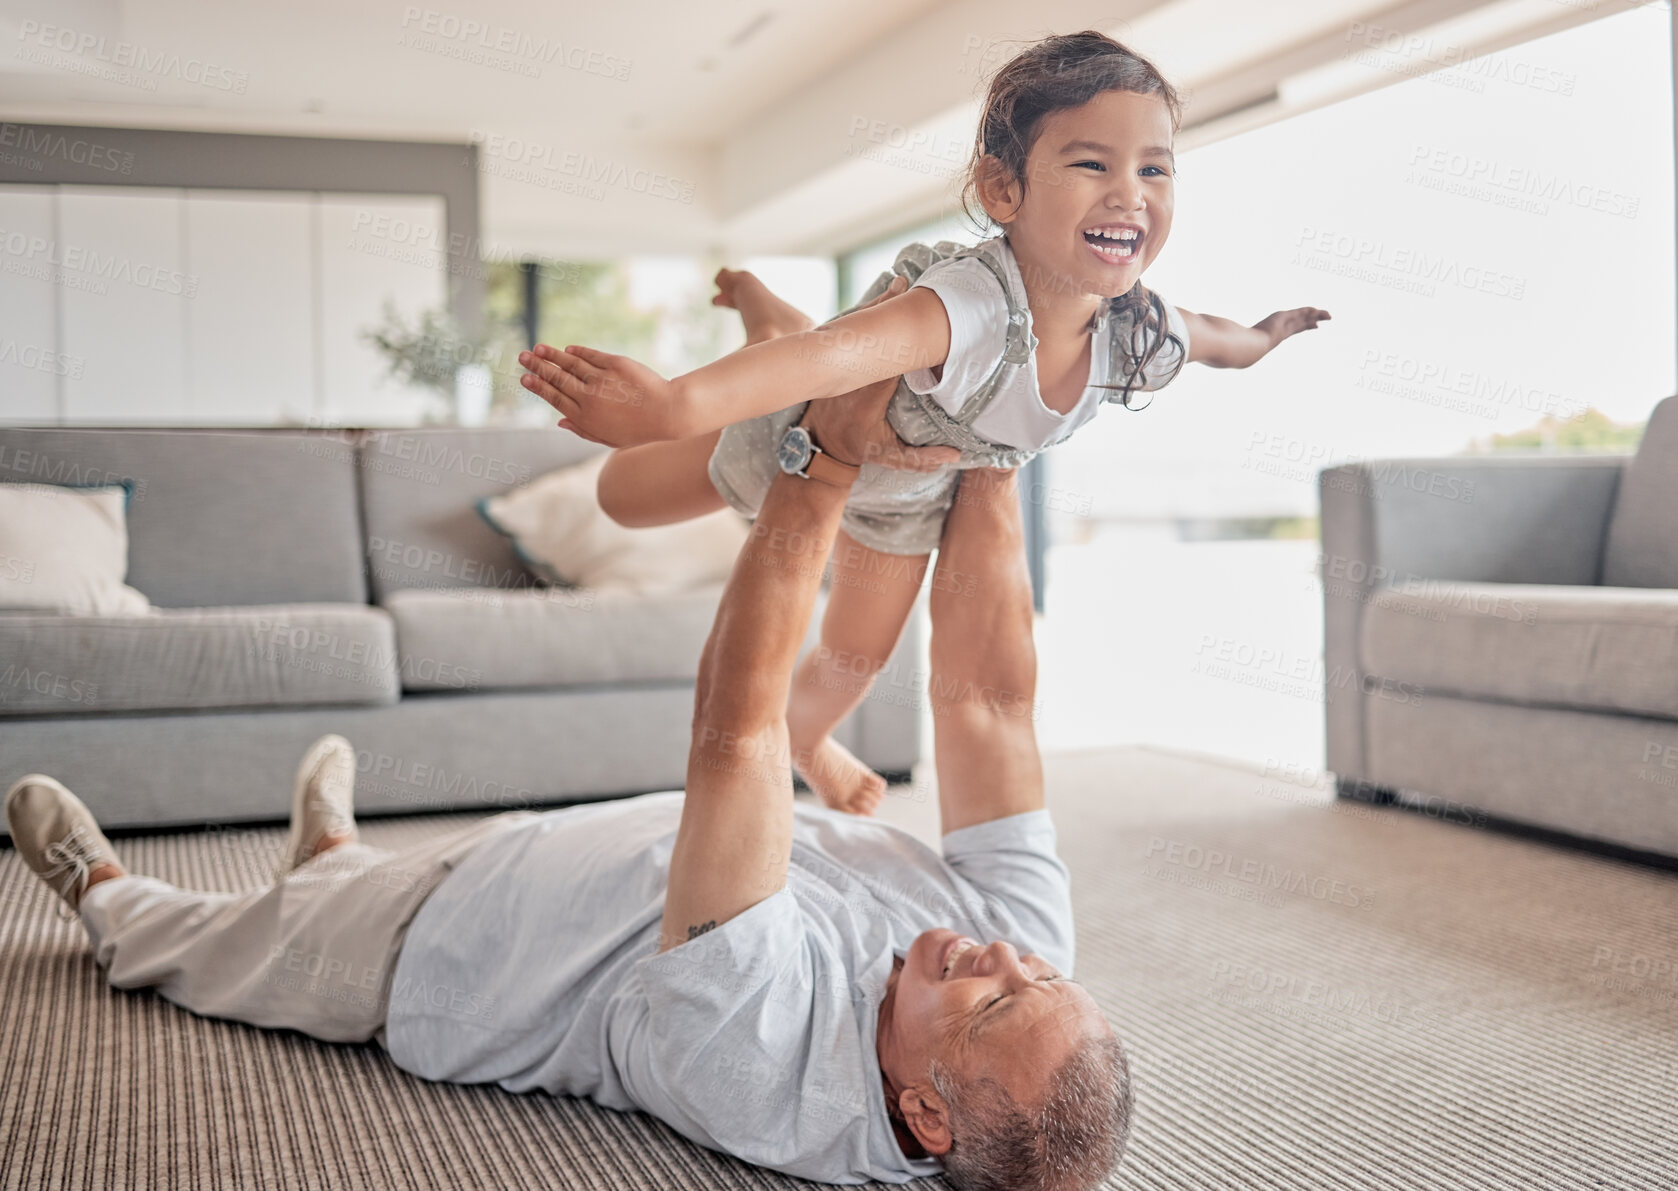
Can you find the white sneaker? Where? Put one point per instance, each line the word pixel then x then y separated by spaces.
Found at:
pixel 322 800
pixel 56 835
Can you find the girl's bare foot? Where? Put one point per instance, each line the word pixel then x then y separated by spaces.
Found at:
pixel 765 315
pixel 843 782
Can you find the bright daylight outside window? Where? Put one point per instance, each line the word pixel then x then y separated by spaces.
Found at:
pixel 1498 260
pixel 654 308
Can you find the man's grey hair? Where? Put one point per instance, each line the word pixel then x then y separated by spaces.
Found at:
pixel 1070 1142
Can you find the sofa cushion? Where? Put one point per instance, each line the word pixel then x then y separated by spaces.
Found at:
pixel 420 492
pixel 217 518
pixel 548 637
pixel 559 530
pixel 1592 648
pixel 298 655
pixel 65 550
pixel 1642 549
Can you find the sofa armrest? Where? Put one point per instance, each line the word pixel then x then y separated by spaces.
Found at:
pixel 1394 522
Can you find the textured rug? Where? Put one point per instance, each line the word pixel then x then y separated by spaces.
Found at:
pixel 1315 995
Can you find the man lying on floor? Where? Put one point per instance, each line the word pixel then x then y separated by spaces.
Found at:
pixel 807 990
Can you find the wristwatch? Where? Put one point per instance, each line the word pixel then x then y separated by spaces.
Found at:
pixel 799 455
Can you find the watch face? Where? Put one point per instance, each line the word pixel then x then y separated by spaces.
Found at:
pixel 794 454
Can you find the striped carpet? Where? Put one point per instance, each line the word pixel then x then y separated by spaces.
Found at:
pixel 1315 994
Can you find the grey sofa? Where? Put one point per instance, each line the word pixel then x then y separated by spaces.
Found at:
pixel 344 582
pixel 1501 638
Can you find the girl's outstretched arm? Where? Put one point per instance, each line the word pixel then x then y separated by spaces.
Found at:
pixel 615 400
pixel 1224 343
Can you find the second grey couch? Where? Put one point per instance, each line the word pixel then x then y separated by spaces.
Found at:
pixel 1502 637
pixel 310 583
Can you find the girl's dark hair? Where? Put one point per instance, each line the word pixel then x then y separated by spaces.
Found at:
pixel 1060 72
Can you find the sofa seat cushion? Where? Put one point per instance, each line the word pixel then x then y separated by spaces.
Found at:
pixel 192 659
pixel 1592 648
pixel 464 638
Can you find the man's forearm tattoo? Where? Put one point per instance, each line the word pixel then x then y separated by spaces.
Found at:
pixel 695 931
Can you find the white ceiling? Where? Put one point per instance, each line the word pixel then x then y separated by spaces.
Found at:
pixel 741 126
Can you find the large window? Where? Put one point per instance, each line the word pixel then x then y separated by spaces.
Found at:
pixel 657 309
pixel 859 267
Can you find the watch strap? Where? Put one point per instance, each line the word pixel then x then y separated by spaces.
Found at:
pixel 828 470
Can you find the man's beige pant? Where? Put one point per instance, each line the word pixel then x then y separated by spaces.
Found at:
pixel 314 952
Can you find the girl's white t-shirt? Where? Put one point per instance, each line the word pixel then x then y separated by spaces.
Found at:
pixel 1016 416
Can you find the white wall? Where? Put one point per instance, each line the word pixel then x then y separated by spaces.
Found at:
pixel 123 292
pixel 250 348
pixel 166 306
pixel 30 363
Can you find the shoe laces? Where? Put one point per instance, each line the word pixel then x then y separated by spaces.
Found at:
pixel 72 859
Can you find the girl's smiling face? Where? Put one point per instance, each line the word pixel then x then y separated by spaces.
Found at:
pixel 1103 167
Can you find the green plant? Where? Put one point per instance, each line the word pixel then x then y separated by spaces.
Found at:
pixel 427 351
pixel 1591 430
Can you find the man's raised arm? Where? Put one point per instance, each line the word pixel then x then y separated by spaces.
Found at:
pixel 735 837
pixel 736 833
pixel 984 660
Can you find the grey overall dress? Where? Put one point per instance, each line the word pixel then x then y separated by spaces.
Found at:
pixel 894 512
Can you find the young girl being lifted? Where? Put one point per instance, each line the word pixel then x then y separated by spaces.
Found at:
pixel 1002 349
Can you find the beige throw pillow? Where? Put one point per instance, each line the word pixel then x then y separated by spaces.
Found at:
pixel 65 549
pixel 561 533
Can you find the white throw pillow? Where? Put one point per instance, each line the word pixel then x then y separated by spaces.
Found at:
pixel 561 533
pixel 65 549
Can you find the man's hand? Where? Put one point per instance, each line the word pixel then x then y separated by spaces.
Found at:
pixel 605 398
pixel 853 427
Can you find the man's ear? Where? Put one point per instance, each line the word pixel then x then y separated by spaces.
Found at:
pixel 928 1118
pixel 999 193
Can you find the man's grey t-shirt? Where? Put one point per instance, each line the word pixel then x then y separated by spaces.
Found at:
pixel 534 965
